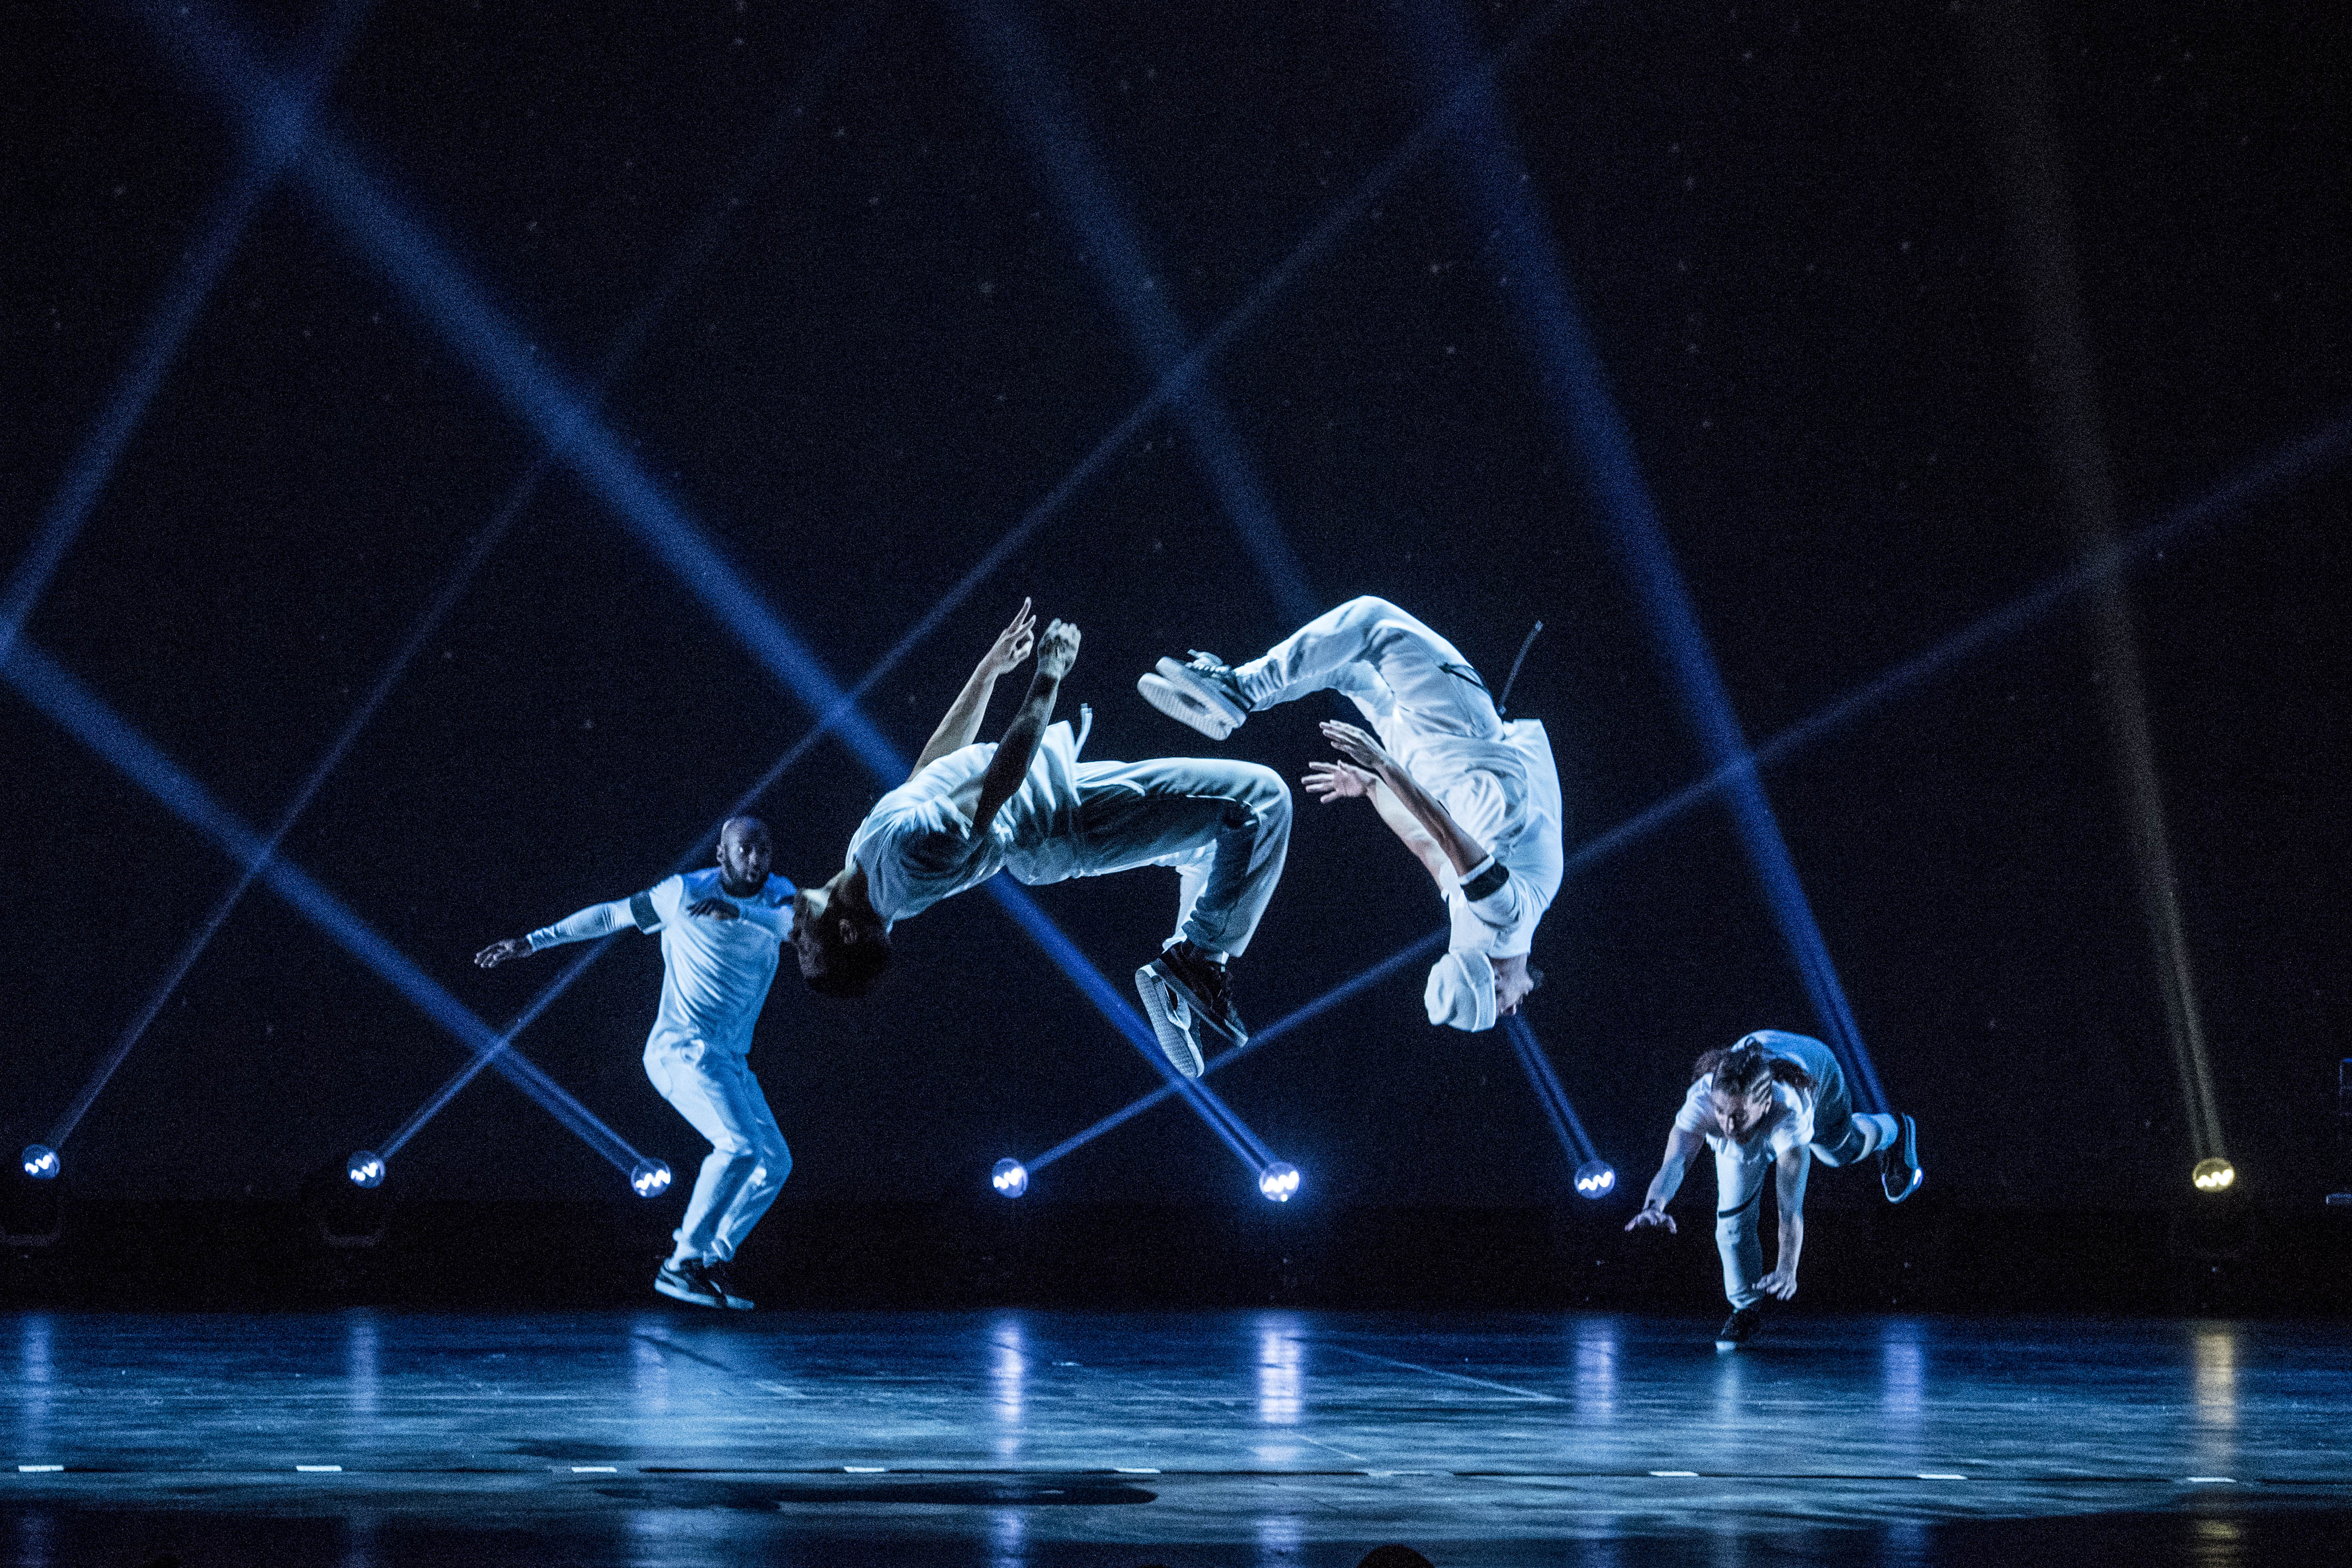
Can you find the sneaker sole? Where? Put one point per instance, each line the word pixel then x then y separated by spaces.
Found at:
pixel 1189 701
pixel 1910 1158
pixel 1237 1033
pixel 692 1298
pixel 1176 1043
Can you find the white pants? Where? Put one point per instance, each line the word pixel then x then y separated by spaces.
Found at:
pixel 1397 670
pixel 747 1160
pixel 1840 1136
pixel 1225 827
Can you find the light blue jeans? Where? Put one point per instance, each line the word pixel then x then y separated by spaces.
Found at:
pixel 747 1160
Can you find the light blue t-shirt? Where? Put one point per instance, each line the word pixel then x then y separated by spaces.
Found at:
pixel 715 973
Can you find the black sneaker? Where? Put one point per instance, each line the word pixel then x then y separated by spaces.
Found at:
pixel 1206 986
pixel 715 1271
pixel 1204 693
pixel 1898 1163
pixel 690 1282
pixel 1740 1327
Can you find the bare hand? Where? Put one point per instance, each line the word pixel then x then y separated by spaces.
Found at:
pixel 1012 644
pixel 1780 1283
pixel 714 909
pixel 1330 781
pixel 1651 1218
pixel 1356 746
pixel 498 953
pixel 1058 649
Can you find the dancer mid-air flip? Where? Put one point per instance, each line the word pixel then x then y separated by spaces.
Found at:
pixel 1773 1102
pixel 1475 798
pixel 1028 806
pixel 721 929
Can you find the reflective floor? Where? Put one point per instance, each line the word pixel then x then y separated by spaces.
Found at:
pixel 1013 1437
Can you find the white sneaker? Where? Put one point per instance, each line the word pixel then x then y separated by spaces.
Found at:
pixel 1202 694
pixel 1172 1019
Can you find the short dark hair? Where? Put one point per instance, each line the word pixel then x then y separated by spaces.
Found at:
pixel 838 966
pixel 1740 1068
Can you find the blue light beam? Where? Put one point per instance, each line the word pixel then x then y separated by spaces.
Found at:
pixel 275 143
pixel 1035 96
pixel 73 708
pixel 1590 424
pixel 1566 1126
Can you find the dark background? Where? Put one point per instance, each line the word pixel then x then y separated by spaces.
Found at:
pixel 1781 222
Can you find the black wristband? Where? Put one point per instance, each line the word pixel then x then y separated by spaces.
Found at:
pixel 1484 878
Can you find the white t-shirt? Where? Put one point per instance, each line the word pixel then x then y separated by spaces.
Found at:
pixel 917 846
pixel 715 973
pixel 1793 1128
pixel 1506 796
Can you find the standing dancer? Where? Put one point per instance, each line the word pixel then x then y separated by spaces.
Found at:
pixel 1028 806
pixel 1774 1101
pixel 721 931
pixel 1477 799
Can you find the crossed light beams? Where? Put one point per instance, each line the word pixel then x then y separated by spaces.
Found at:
pixel 277 143
pixel 184 301
pixel 2304 459
pixel 77 710
pixel 1169 388
pixel 1588 423
pixel 2009 71
pixel 1036 95
pixel 421 269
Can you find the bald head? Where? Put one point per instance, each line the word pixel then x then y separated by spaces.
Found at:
pixel 744 854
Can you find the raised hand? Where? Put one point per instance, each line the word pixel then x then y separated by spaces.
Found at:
pixel 498 953
pixel 1356 746
pixel 1330 781
pixel 1013 643
pixel 1058 649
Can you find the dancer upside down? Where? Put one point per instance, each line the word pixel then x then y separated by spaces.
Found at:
pixel 1773 1102
pixel 1475 798
pixel 1027 805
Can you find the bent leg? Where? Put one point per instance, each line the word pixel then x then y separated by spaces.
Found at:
pixel 749 1107
pixel 1427 679
pixel 700 1085
pixel 1739 1206
pixel 1223 826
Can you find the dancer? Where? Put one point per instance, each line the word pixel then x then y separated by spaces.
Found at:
pixel 1475 798
pixel 721 929
pixel 1028 806
pixel 1774 1101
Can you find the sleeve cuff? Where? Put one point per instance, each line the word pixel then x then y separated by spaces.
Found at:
pixel 1483 880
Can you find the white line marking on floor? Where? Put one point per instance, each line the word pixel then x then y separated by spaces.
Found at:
pixel 1133 1470
pixel 867 1470
pixel 43 1469
pixel 1939 1476
pixel 2193 1481
pixel 1681 1475
pixel 1440 1372
pixel 320 1469
pixel 596 1470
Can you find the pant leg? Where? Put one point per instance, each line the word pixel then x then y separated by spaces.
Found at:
pixel 1841 1133
pixel 1434 688
pixel 1738 1224
pixel 747 1160
pixel 1223 826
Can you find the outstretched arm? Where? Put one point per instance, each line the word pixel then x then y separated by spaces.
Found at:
pixel 961 725
pixel 596 920
pixel 1789 1172
pixel 1057 652
pixel 1680 1148
pixel 1459 851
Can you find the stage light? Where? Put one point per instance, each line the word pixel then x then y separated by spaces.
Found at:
pixel 2215 1175
pixel 365 1168
pixel 1009 1177
pixel 1279 1181
pixel 1595 1178
pixel 41 1162
pixel 650 1179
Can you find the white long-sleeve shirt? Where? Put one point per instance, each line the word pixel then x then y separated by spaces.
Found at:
pixel 1505 794
pixel 715 973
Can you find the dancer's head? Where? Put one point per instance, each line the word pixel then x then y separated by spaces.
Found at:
pixel 1469 990
pixel 745 854
pixel 841 943
pixel 1740 1091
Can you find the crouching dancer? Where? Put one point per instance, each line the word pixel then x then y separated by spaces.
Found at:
pixel 1026 805
pixel 1775 1100
pixel 721 929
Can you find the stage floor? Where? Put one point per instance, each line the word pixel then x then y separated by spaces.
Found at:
pixel 1005 1438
